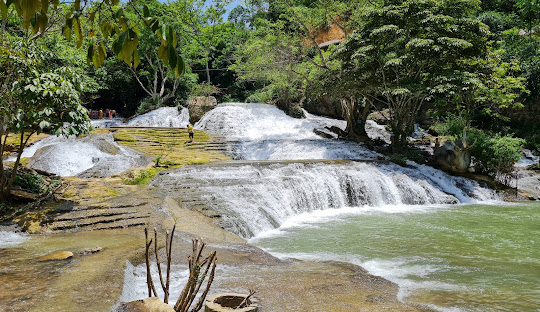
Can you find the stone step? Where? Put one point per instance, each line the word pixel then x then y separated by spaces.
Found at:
pixel 119 225
pixel 90 223
pixel 78 215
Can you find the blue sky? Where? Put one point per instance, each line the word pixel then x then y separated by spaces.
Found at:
pixel 231 6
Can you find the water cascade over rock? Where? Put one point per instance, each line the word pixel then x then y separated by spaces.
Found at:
pixel 162 117
pixel 92 156
pixel 252 198
pixel 263 132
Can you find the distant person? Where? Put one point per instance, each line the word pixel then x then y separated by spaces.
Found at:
pixel 437 143
pixel 190 132
pixel 101 114
pixel 113 113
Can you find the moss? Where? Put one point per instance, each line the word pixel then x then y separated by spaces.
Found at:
pixel 123 136
pixel 141 177
pixel 170 145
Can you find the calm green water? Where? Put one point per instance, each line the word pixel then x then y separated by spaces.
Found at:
pixel 455 258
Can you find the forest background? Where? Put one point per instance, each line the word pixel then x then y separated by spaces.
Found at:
pixel 447 64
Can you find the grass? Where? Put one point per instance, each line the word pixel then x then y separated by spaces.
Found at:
pixel 141 177
pixel 13 140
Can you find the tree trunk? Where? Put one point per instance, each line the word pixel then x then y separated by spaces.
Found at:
pixel 356 122
pixel 207 73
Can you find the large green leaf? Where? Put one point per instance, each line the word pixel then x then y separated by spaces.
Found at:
pixel 3 9
pixel 171 54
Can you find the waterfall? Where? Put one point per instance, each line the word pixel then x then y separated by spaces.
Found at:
pixel 162 117
pixel 257 197
pixel 263 132
pixel 92 156
pixel 257 122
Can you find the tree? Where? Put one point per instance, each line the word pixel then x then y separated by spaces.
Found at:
pixel 105 19
pixel 32 102
pixel 204 24
pixel 407 51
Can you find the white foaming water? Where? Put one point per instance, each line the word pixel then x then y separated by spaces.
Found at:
pixel 241 121
pixel 135 287
pixel 11 239
pixel 264 132
pixel 256 198
pixel 162 117
pixel 94 155
pixel 302 149
pixel 313 218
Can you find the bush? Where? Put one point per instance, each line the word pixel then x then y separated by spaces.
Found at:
pixel 29 182
pixel 399 159
pixel 452 126
pixel 495 155
pixel 140 177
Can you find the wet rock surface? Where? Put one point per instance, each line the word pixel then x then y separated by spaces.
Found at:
pixel 152 304
pixel 62 255
pixel 95 282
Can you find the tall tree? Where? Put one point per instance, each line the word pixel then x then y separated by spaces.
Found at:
pixel 407 51
pixel 32 102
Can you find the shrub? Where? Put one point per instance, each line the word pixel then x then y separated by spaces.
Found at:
pixel 452 126
pixel 29 182
pixel 495 155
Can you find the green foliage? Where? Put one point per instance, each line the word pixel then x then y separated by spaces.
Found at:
pixel 97 22
pixel 141 177
pixel 408 52
pixel 533 143
pixel 33 183
pixel 495 155
pixel 399 159
pixel 33 102
pixel 204 89
pixel 452 126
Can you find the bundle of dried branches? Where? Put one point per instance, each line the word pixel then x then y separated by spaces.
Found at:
pixel 199 269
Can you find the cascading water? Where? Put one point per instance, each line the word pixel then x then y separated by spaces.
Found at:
pixel 263 132
pixel 10 238
pixel 162 117
pixel 257 197
pixel 253 198
pixel 92 156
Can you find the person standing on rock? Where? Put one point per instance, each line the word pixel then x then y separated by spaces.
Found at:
pixel 190 132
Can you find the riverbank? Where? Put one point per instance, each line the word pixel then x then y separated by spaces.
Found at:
pixel 95 282
pixel 108 213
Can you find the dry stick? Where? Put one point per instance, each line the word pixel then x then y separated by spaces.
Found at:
pixel 169 256
pixel 159 266
pixel 149 281
pixel 181 298
pixel 244 302
pixel 201 280
pixel 210 280
pixel 196 265
pixel 192 284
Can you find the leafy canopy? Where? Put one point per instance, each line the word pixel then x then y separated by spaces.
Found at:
pixel 97 21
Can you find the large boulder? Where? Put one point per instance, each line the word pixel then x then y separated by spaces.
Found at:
pixel 200 105
pixel 324 106
pixel 454 155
